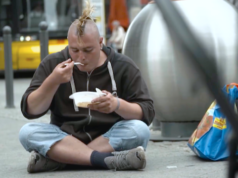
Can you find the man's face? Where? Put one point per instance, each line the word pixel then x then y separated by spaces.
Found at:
pixel 86 52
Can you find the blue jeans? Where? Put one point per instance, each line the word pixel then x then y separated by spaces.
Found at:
pixel 123 135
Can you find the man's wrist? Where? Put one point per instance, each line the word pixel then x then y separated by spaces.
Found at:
pixel 118 104
pixel 53 79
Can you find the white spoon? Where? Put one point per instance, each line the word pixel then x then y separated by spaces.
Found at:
pixel 100 92
pixel 75 63
pixel 78 63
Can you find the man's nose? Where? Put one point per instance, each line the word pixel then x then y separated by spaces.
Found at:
pixel 81 55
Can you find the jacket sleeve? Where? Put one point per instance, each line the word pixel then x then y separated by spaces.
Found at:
pixel 120 35
pixel 136 91
pixel 38 78
pixel 112 38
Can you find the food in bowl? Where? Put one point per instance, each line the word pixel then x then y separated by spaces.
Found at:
pixel 84 98
pixel 83 104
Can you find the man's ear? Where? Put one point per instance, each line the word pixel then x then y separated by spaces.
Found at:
pixel 101 42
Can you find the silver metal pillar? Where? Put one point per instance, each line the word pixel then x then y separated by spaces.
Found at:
pixel 44 40
pixel 7 37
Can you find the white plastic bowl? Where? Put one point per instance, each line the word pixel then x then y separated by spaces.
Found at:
pixel 82 99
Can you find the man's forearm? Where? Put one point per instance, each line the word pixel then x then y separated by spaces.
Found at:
pixel 39 100
pixel 129 110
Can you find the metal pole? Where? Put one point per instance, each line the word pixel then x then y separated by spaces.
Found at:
pixel 7 37
pixel 44 40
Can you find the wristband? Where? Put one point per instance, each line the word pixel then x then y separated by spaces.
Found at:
pixel 118 104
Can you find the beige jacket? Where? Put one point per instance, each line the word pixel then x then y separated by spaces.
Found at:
pixel 118 37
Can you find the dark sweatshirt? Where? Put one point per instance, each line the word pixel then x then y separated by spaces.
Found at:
pixel 87 124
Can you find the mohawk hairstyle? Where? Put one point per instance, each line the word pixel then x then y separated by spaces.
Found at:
pixel 82 20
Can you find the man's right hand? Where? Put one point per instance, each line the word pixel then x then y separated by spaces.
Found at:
pixel 63 73
pixel 40 99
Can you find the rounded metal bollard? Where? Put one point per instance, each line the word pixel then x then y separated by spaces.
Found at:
pixel 180 97
pixel 7 37
pixel 44 40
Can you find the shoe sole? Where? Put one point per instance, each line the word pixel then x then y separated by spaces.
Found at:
pixel 141 155
pixel 31 161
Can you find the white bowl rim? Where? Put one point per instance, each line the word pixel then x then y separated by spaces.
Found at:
pixel 83 92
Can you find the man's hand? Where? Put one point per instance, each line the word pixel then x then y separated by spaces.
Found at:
pixel 104 104
pixel 62 73
pixel 39 100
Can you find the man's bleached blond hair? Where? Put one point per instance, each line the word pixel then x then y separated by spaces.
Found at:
pixel 82 20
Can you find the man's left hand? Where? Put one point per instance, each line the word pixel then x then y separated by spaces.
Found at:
pixel 104 104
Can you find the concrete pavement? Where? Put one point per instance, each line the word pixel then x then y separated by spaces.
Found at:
pixel 164 159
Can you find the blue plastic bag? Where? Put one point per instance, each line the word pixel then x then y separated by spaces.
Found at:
pixel 209 140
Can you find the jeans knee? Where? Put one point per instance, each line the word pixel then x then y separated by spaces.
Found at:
pixel 142 131
pixel 138 130
pixel 25 133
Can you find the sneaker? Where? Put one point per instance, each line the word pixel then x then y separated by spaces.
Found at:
pixel 124 160
pixel 38 163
